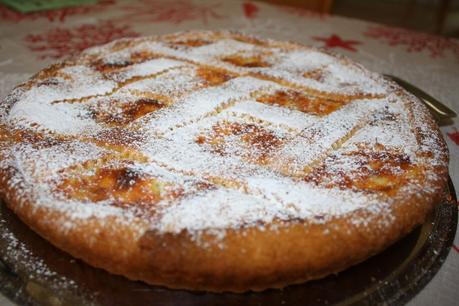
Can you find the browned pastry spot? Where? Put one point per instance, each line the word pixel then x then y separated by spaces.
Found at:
pixel 316 74
pixel 251 40
pixel 300 101
pixel 129 112
pixel 36 138
pixel 243 139
pixel 143 56
pixel 51 76
pixel 248 61
pixel 51 71
pixel 377 171
pixel 140 108
pixel 107 67
pixel 214 76
pixel 123 142
pixel 124 186
pixel 121 44
pixel 192 42
pixel 113 66
pixel 5 134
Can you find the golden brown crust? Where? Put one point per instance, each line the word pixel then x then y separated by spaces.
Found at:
pixel 250 257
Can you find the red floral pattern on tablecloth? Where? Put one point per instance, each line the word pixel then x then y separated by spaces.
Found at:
pixel 174 12
pixel 334 41
pixel 250 10
pixel 59 15
pixel 414 41
pixel 454 136
pixel 63 42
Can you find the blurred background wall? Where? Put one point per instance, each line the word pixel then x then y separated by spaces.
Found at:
pixel 432 16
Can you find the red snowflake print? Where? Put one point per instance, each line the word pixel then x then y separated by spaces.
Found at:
pixel 301 12
pixel 59 42
pixel 414 41
pixel 250 10
pixel 174 12
pixel 454 136
pixel 334 41
pixel 59 15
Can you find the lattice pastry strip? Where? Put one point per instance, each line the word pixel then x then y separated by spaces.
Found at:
pixel 272 114
pixel 143 69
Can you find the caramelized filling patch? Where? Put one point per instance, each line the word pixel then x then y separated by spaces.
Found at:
pixel 124 186
pixel 107 67
pixel 52 71
pixel 248 61
pixel 299 101
pixel 316 74
pixel 197 42
pixel 35 138
pixel 372 172
pixel 142 56
pixel 113 66
pixel 251 40
pixel 127 112
pixel 214 77
pixel 140 108
pixel 122 141
pixel 248 141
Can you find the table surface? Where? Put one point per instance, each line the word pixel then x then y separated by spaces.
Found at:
pixel 31 42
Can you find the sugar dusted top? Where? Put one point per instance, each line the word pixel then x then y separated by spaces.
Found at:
pixel 214 130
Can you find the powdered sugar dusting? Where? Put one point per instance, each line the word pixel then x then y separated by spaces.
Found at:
pixel 279 116
pixel 178 130
pixel 146 68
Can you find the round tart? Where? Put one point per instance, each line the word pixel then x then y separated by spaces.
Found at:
pixel 218 161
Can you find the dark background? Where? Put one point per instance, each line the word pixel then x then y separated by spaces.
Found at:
pixel 431 16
